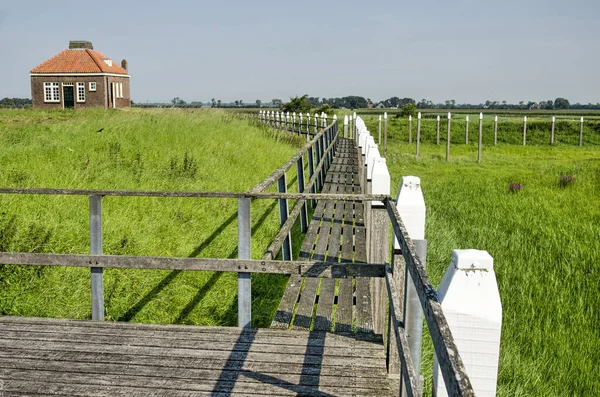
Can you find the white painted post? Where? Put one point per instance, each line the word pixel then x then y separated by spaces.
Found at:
pixel 552 130
pixel 300 123
pixel 379 131
pixel 581 132
pixel 418 134
pixel 437 130
pixel 294 123
pixel 346 126
pixel 283 120
pixel 267 118
pixel 495 130
pixel 448 138
pixel 411 207
pixel 524 130
pixel 244 281
pixel 480 142
pixel 471 303
pixel 316 123
pixel 324 116
pixel 97 282
pixel 409 128
pixel 307 126
pixel 466 130
pixel 287 120
pixel 384 134
pixel 355 130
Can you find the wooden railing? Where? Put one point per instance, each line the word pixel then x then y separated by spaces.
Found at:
pixel 319 152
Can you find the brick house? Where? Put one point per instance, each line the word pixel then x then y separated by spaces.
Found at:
pixel 80 77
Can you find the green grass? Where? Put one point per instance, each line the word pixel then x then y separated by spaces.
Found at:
pixel 138 150
pixel 544 241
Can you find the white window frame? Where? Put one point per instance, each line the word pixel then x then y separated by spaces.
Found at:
pixel 121 89
pixel 53 95
pixel 80 92
pixel 92 86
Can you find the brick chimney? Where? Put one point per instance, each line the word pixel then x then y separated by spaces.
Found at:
pixel 77 45
pixel 124 64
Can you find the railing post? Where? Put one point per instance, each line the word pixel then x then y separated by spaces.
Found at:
pixel 466 130
pixel 448 138
pixel 325 165
pixel 384 134
pixel 524 130
pixel 471 303
pixel 286 250
pixel 319 181
pixel 379 131
pixel 411 207
pixel 307 126
pixel 371 153
pixel 409 128
pixel 581 132
pixel 303 213
pixel 437 130
pixel 495 130
pixel 480 141
pixel 311 171
pixel 418 135
pixel 379 243
pixel 316 124
pixel 244 281
pixel 346 126
pixel 552 130
pixel 97 282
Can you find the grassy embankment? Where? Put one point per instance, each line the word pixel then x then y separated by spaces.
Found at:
pixel 138 150
pixel 545 244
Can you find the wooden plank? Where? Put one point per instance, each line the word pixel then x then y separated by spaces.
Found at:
pixel 343 317
pixel 285 311
pixel 364 317
pixel 306 305
pixel 323 319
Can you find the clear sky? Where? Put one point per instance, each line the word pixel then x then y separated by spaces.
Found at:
pixel 470 51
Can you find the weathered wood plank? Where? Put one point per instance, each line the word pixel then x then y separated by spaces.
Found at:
pixel 364 316
pixel 343 317
pixel 306 305
pixel 285 311
pixel 323 319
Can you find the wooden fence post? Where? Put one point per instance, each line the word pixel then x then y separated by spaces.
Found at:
pixel 466 130
pixel 495 130
pixel 448 138
pixel 294 123
pixel 409 128
pixel 97 282
pixel 437 130
pixel 581 132
pixel 316 124
pixel 384 134
pixel 411 207
pixel 524 130
pixel 319 181
pixel 480 142
pixel 471 303
pixel 379 242
pixel 286 249
pixel 311 171
pixel 307 126
pixel 379 131
pixel 418 134
pixel 552 130
pixel 301 183
pixel 244 280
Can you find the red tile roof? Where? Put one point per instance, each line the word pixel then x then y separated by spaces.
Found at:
pixel 78 61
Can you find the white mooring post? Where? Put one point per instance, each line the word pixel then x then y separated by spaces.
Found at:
pixel 409 128
pixel 346 126
pixel 466 130
pixel 384 134
pixel 411 207
pixel 379 131
pixel 437 130
pixel 471 303
pixel 495 130
pixel 480 141
pixel 448 138
pixel 581 132
pixel 379 242
pixel 418 134
pixel 524 130
pixel 552 130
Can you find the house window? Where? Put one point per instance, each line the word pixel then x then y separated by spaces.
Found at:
pixel 92 86
pixel 51 92
pixel 80 92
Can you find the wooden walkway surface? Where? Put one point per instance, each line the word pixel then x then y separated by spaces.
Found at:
pixel 88 358
pixel 336 233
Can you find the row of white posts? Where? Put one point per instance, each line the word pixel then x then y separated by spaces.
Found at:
pixel 293 122
pixel 468 292
pixel 437 135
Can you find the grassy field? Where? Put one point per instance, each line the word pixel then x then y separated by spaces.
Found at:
pixel 138 149
pixel 544 240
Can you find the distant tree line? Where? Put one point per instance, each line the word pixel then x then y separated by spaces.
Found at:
pixel 15 102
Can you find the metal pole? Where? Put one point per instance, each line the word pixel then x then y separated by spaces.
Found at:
pixel 495 130
pixel 96 249
pixel 524 130
pixel 467 130
pixel 552 131
pixel 581 132
pixel 480 137
pixel 379 131
pixel 409 128
pixel 448 138
pixel 384 134
pixel 244 281
pixel 437 131
pixel 418 134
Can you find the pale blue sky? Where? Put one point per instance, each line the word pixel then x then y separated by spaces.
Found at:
pixel 465 50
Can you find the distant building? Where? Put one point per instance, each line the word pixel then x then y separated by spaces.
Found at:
pixel 80 77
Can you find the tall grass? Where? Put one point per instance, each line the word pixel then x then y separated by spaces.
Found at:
pixel 138 149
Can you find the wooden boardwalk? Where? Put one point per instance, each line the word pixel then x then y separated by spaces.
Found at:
pixel 89 358
pixel 336 233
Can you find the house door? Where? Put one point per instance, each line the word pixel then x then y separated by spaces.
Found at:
pixel 69 97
